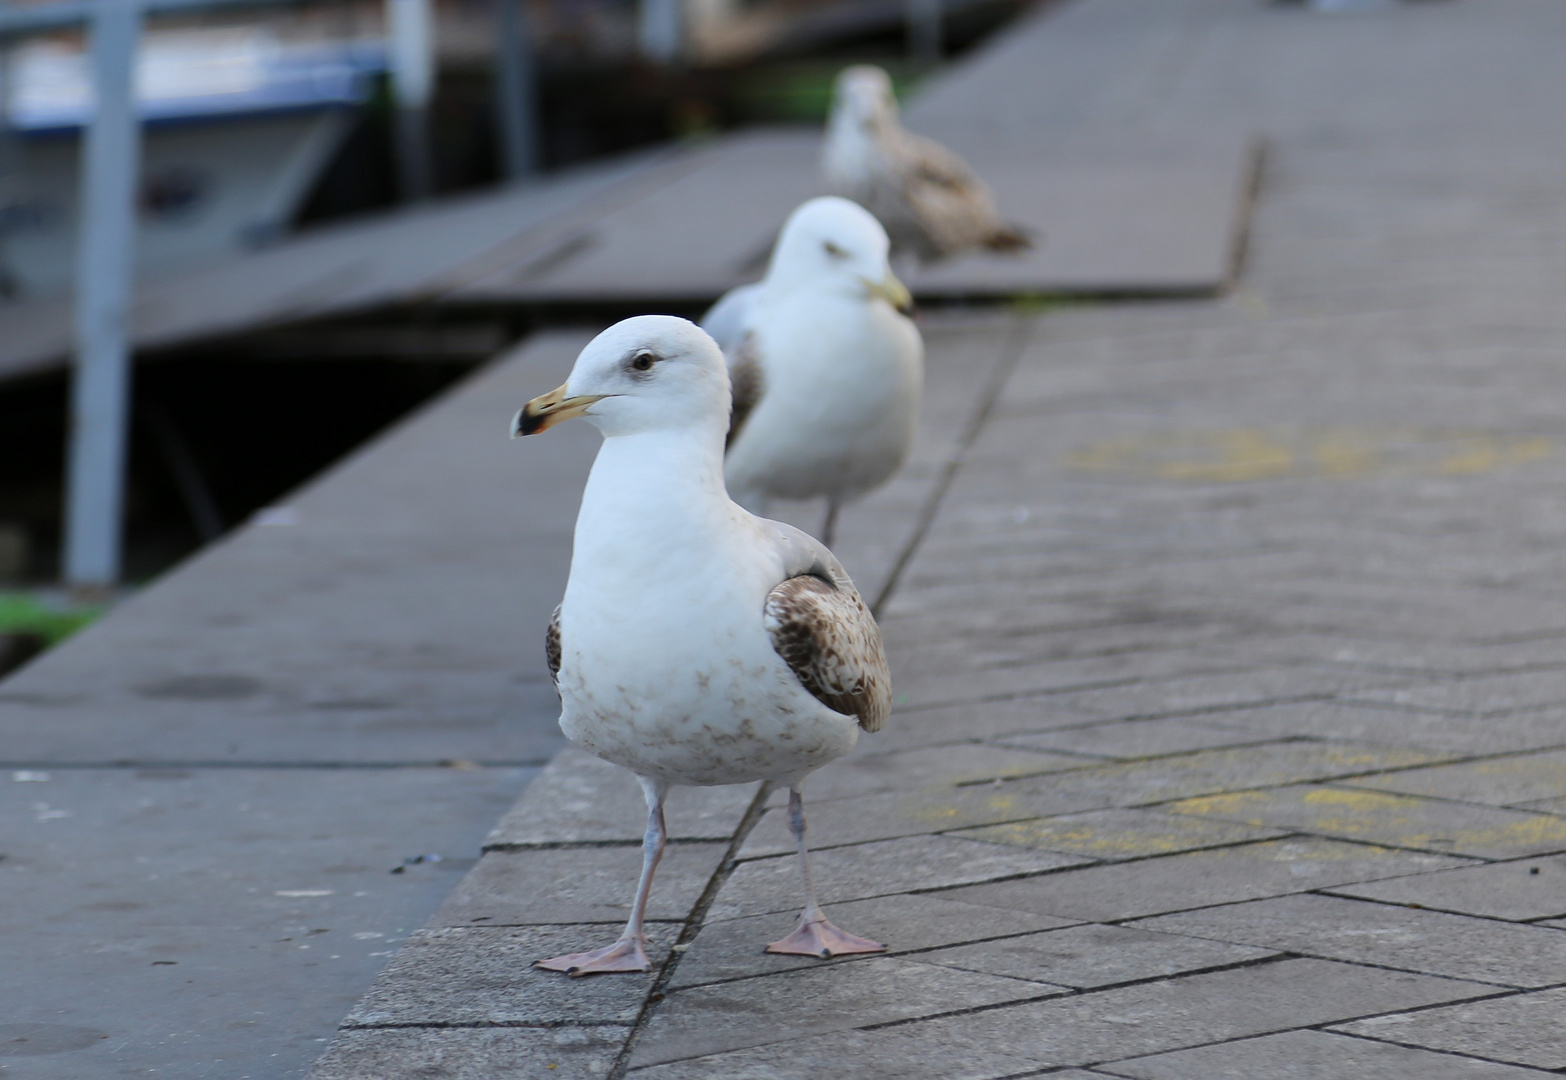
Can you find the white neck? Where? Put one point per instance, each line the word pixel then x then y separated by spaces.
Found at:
pixel 653 495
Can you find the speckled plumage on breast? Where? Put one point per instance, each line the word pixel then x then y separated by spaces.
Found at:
pixel 704 726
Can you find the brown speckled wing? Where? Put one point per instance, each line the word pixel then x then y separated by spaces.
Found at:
pixel 828 637
pixel 951 203
pixel 746 383
pixel 930 163
pixel 552 648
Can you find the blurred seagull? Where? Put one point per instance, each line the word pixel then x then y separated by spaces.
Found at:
pixel 932 204
pixel 826 366
pixel 696 644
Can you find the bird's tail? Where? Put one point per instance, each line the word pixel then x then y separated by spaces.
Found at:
pixel 1009 240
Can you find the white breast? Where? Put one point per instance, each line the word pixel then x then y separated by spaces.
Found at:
pixel 840 404
pixel 666 667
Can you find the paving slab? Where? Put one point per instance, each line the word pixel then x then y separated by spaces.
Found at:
pixel 947 725
pixel 1401 820
pixel 1504 781
pixel 1104 688
pixel 882 868
pixel 1399 726
pixel 1210 1007
pixel 915 811
pixel 1117 834
pixel 1161 780
pixel 1092 956
pixel 868 771
pixel 1198 879
pixel 734 948
pixel 1151 1017
pixel 580 798
pixel 1521 1028
pixel 161 906
pixel 884 1054
pixel 1256 686
pixel 1310 1055
pixel 482 975
pixel 578 1052
pixel 1520 891
pixel 1135 739
pixel 1433 942
pixel 1481 695
pixel 705 1020
pixel 576 885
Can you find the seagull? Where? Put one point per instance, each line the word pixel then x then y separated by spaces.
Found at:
pixel 932 204
pixel 827 368
pixel 696 644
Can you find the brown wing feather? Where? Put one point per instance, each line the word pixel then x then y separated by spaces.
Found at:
pixel 932 163
pixel 830 640
pixel 552 648
pixel 952 204
pixel 746 383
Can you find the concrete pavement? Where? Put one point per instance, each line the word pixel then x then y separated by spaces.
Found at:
pixel 1226 641
pixel 227 803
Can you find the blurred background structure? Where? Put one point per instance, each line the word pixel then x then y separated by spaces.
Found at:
pixel 257 122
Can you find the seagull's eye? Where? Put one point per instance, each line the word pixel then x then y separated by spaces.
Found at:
pixel 833 250
pixel 643 361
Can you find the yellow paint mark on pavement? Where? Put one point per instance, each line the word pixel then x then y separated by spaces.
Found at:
pixel 1403 820
pixel 1116 834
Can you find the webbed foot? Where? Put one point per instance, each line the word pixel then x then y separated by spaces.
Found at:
pixel 818 937
pixel 627 954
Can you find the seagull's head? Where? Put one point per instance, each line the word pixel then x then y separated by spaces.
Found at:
pixel 641 374
pixel 862 97
pixel 830 244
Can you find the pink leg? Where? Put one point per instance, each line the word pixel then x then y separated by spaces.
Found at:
pixel 630 952
pixel 815 935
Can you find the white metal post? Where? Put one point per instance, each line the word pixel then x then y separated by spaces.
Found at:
pixel 10 159
pixel 100 389
pixel 515 95
pixel 410 27
pixel 661 30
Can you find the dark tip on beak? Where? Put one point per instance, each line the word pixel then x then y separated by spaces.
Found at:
pixel 527 423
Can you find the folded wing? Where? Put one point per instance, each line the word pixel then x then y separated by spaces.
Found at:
pixel 829 639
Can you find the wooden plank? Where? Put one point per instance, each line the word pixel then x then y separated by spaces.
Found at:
pixel 403 257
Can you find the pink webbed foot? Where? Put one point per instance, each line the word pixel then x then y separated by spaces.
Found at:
pixel 626 954
pixel 818 937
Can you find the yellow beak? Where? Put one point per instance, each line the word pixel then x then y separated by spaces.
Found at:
pixel 544 412
pixel 894 292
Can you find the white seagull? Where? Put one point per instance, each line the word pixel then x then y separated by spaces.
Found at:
pixel 932 204
pixel 827 369
pixel 696 644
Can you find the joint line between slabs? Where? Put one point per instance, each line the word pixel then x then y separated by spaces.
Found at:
pixel 692 927
pixel 1198 710
pixel 1327 1027
pixel 1261 961
pixel 1074 992
pixel 1000 374
pixel 1327 891
pixel 1460 1055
